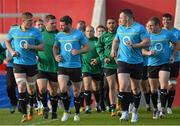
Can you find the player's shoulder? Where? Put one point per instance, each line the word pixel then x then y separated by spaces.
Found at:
pixel 35 29
pixel 60 33
pixel 139 26
pixel 14 28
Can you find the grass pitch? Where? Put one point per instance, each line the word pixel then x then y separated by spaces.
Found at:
pixel 103 118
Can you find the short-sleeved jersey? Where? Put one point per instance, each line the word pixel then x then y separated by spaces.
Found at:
pixel 8 54
pixel 67 42
pixel 135 33
pixel 46 61
pixel 92 54
pixel 31 36
pixel 160 44
pixel 104 47
pixel 176 33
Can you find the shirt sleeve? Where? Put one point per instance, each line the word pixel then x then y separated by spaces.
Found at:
pixel 38 37
pixel 117 36
pixel 3 45
pixel 10 34
pixel 172 37
pixel 143 33
pixel 100 48
pixel 56 43
pixel 83 39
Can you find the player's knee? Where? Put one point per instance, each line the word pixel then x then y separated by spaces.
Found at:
pixel 31 83
pixel 172 82
pixel 21 80
pixel 153 90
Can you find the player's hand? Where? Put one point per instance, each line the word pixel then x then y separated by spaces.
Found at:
pixel 27 46
pixel 152 52
pixel 14 54
pixel 7 59
pixel 58 58
pixel 113 54
pixel 93 62
pixel 129 43
pixel 171 59
pixel 107 60
pixel 74 52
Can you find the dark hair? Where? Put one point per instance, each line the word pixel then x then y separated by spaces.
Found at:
pixel 167 15
pixel 101 26
pixel 49 17
pixel 127 12
pixel 26 15
pixel 38 20
pixel 67 19
pixel 155 20
pixel 82 22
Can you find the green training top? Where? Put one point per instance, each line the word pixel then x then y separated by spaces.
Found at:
pixel 46 60
pixel 104 49
pixel 92 54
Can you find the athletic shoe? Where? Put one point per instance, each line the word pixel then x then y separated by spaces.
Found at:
pixel 124 116
pixel 118 107
pixel 45 113
pixel 82 109
pixel 134 117
pixel 113 112
pixel 12 109
pixel 162 115
pixel 169 111
pixel 24 118
pixel 30 113
pixel 65 117
pixel 155 114
pixel 40 111
pixel 131 107
pixel 53 115
pixel 76 117
pixel 98 108
pixel 88 110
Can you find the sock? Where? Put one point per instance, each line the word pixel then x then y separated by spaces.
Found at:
pixel 22 103
pixel 69 101
pixel 82 98
pixel 147 98
pixel 131 97
pixel 54 102
pixel 136 99
pixel 31 99
pixel 64 98
pixel 154 98
pixel 87 96
pixel 43 98
pixel 171 96
pixel 77 102
pixel 97 96
pixel 124 98
pixel 163 97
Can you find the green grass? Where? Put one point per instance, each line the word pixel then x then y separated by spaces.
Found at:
pixel 104 118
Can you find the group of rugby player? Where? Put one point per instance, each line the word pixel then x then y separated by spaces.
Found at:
pixel 45 62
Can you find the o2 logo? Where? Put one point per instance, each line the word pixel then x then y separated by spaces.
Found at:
pixel 23 43
pixel 158 47
pixel 126 39
pixel 68 47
